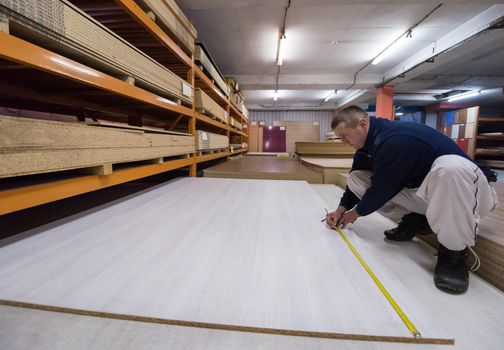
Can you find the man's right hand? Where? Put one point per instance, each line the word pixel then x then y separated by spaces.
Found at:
pixel 333 218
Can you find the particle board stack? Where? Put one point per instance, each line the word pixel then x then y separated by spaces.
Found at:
pixel 171 17
pixel 61 27
pixel 31 146
pixel 235 123
pixel 202 56
pixel 324 148
pixel 299 132
pixel 207 106
pixel 209 141
pixel 330 168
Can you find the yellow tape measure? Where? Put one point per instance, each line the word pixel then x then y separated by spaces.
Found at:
pixel 387 295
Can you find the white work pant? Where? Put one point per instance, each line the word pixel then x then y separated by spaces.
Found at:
pixel 454 195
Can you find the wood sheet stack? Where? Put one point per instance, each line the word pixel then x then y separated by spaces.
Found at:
pixel 235 123
pixel 202 56
pixel 330 168
pixel 299 132
pixel 69 31
pixel 273 168
pixel 207 106
pixel 31 146
pixel 324 148
pixel 208 141
pixel 171 16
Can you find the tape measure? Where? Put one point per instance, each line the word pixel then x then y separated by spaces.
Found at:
pixel 416 334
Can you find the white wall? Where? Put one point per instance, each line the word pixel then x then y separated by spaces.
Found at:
pixel 323 117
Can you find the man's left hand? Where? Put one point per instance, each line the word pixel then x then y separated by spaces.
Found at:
pixel 348 217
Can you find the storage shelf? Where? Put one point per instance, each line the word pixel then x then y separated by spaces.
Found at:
pixel 241 150
pixel 235 112
pixel 210 121
pixel 64 82
pixel 130 21
pixel 490 120
pixel 205 84
pixel 238 132
pixel 207 157
pixel 30 196
pixel 494 138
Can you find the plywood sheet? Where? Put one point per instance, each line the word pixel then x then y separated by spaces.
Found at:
pixel 207 140
pixel 169 253
pixel 203 102
pixel 253 167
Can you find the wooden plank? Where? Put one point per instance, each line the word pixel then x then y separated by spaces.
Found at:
pixel 269 273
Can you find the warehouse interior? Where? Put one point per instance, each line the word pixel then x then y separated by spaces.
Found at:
pixel 168 169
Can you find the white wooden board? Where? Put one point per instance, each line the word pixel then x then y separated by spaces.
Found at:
pixel 171 253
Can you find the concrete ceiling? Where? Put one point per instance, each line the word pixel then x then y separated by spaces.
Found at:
pixel 329 41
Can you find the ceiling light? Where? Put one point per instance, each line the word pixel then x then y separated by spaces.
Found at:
pixel 275 95
pixel 331 95
pixel 281 49
pixel 464 95
pixel 392 47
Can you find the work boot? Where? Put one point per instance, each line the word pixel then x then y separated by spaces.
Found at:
pixel 411 225
pixel 451 274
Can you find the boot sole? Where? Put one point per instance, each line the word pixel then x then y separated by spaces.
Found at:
pixel 450 288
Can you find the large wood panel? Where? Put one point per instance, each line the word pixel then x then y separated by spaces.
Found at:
pixel 330 168
pixel 254 167
pixel 169 254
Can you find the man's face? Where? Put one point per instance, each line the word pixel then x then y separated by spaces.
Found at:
pixel 354 137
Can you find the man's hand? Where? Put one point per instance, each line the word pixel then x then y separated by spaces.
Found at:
pixel 334 218
pixel 348 217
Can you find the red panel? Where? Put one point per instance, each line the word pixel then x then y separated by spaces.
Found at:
pixel 463 144
pixel 274 138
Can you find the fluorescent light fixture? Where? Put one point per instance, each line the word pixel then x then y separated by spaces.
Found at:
pixel 331 95
pixel 281 49
pixel 275 95
pixel 399 113
pixel 464 95
pixel 393 47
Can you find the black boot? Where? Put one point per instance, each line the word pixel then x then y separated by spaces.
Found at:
pixel 451 274
pixel 411 225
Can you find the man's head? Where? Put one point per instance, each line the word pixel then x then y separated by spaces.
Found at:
pixel 351 125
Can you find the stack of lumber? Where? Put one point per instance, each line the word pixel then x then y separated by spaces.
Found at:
pixel 207 106
pixel 31 146
pixel 235 123
pixel 202 56
pixel 208 141
pixel 324 148
pixel 171 17
pixel 299 132
pixel 252 167
pixel 330 168
pixel 68 31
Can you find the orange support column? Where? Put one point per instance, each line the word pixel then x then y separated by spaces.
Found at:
pixel 385 102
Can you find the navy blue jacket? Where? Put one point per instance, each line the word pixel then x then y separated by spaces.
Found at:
pixel 399 154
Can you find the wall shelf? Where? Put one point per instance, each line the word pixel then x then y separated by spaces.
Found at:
pixel 208 157
pixel 29 196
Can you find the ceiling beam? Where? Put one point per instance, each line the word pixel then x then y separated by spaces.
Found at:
pixel 306 81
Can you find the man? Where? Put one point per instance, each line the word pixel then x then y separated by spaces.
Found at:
pixel 411 172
